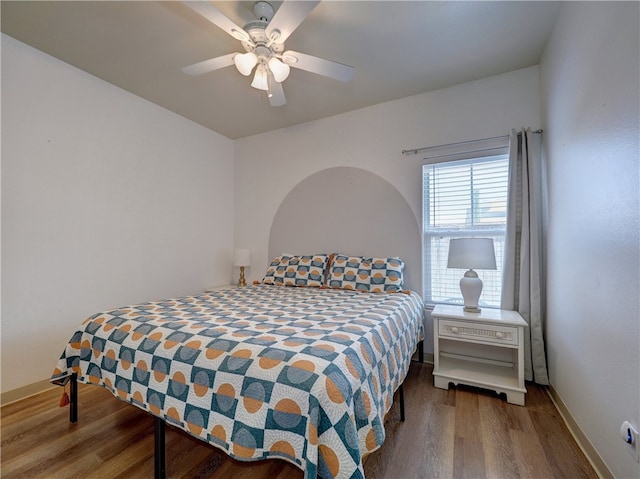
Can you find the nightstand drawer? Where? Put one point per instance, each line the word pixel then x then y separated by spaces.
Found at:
pixel 484 333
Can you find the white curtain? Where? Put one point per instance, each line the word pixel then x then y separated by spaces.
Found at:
pixel 522 282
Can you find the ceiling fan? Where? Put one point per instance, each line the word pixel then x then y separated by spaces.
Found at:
pixel 263 41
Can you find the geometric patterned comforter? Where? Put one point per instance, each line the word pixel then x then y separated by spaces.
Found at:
pixel 301 374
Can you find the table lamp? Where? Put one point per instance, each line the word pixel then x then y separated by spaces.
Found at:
pixel 470 254
pixel 242 258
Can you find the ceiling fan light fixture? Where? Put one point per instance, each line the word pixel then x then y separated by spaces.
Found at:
pixel 245 62
pixel 260 80
pixel 280 70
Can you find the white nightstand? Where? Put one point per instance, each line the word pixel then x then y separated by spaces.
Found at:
pixel 483 349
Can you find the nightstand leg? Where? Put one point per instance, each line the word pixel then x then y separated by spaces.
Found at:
pixel 515 398
pixel 442 383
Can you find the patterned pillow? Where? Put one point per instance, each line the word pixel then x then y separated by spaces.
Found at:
pixel 375 275
pixel 297 270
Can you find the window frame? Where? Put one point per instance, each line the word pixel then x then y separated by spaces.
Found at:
pixel 472 151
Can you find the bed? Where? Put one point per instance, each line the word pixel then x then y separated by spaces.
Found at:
pixel 302 366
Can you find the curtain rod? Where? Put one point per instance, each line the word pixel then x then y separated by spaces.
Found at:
pixel 415 151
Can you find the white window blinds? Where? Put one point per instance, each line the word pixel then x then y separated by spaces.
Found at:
pixel 463 198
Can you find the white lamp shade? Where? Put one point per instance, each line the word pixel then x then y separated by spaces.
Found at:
pixel 280 70
pixel 245 62
pixel 260 80
pixel 242 257
pixel 471 253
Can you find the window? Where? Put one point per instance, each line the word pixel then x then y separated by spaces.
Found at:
pixel 463 198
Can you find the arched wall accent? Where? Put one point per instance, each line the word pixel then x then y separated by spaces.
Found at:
pixel 352 211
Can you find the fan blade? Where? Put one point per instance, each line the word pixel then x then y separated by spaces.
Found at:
pixel 210 65
pixel 277 94
pixel 287 18
pixel 323 67
pixel 220 20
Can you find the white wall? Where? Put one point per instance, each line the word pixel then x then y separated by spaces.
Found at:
pixel 590 80
pixel 269 165
pixel 107 200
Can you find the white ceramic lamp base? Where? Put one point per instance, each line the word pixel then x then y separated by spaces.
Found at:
pixel 471 288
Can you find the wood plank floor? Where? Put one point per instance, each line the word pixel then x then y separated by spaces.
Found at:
pixel 459 433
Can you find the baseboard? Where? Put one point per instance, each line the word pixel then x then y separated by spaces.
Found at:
pixel 583 442
pixel 427 358
pixel 25 391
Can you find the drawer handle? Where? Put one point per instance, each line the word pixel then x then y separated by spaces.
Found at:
pixel 454 329
pixel 499 335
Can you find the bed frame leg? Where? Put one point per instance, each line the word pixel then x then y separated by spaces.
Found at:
pixel 73 400
pixel 401 402
pixel 159 462
pixel 421 351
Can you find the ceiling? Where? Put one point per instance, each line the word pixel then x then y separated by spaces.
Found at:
pixel 397 48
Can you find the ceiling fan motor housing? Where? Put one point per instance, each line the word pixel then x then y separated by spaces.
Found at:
pixel 256 31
